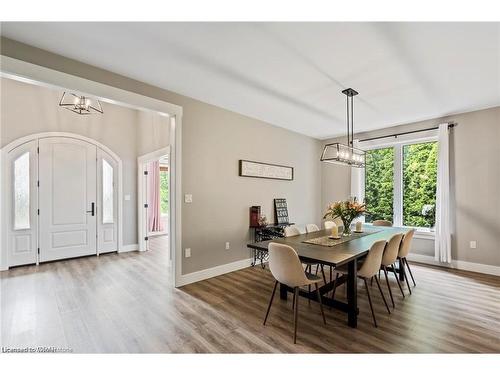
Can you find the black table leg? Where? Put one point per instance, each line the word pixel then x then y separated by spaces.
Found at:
pixel 283 291
pixel 401 269
pixel 352 294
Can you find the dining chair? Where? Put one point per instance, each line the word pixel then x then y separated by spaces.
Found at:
pixel 286 268
pixel 329 224
pixel 382 223
pixel 311 228
pixel 389 258
pixel 293 230
pixel 404 250
pixel 367 271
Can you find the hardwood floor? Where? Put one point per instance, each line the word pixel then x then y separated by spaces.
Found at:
pixel 126 303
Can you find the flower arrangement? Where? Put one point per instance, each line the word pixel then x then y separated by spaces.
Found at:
pixel 263 220
pixel 347 211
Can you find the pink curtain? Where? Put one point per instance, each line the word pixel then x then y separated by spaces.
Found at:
pixel 154 211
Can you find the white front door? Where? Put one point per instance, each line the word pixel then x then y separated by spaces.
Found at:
pixel 68 211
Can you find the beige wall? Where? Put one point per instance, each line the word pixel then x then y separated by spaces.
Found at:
pixel 475 182
pixel 213 140
pixel 28 109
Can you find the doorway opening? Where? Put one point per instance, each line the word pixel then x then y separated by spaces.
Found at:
pixel 154 190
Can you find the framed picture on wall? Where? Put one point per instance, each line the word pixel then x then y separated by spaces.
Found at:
pixel 256 169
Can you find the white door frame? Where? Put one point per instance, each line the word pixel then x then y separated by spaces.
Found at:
pixel 6 179
pixel 31 73
pixel 141 160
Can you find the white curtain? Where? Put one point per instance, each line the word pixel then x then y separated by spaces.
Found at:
pixel 442 244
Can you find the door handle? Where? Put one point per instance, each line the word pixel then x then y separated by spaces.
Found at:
pixel 92 209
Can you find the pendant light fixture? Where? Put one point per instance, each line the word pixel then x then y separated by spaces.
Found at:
pixel 346 154
pixel 80 104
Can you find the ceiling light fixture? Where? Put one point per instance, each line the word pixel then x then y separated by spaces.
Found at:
pixel 80 104
pixel 346 154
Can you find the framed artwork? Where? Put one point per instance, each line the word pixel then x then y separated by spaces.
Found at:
pixel 265 170
pixel 281 211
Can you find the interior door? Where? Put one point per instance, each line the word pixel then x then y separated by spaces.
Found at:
pixel 67 175
pixel 22 204
pixel 107 203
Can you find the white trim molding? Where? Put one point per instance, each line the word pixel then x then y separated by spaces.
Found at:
pixel 456 264
pixel 208 273
pixel 127 248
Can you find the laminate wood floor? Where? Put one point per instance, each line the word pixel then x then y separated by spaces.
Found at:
pixel 126 303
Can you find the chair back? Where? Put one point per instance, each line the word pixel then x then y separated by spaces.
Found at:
pixel 382 223
pixel 404 249
pixel 392 249
pixel 285 265
pixel 373 260
pixel 311 228
pixel 291 230
pixel 329 224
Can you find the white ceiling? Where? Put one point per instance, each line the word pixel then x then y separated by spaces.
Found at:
pixel 291 74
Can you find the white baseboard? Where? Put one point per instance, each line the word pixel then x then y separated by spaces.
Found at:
pixel 127 248
pixel 457 264
pixel 194 277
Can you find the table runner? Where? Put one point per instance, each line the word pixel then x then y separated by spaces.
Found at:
pixel 325 241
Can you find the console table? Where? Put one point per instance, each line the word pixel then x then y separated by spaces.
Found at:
pixel 266 233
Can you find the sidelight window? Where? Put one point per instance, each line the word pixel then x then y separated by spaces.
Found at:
pixel 22 192
pixel 107 193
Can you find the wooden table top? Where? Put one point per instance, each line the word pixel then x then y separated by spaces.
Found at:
pixel 336 255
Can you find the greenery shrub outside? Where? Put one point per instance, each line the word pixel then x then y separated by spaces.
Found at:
pixel 164 192
pixel 379 184
pixel 419 183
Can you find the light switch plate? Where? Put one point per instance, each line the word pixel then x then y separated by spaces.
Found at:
pixel 188 198
pixel 187 252
pixel 127 197
pixel 227 245
pixel 473 244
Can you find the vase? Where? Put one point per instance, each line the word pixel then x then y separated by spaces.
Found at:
pixel 347 228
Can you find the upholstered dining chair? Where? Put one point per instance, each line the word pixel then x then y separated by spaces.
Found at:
pixel 404 250
pixel 286 268
pixel 311 228
pixel 329 224
pixel 389 258
pixel 369 270
pixel 382 223
pixel 293 230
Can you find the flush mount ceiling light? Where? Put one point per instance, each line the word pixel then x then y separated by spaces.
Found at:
pixel 80 104
pixel 346 154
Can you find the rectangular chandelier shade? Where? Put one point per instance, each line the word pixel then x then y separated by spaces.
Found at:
pixel 81 105
pixel 339 153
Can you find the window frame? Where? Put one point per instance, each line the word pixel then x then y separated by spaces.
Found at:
pixel 397 143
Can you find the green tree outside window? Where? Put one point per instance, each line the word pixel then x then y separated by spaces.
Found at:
pixel 164 192
pixel 419 184
pixel 379 184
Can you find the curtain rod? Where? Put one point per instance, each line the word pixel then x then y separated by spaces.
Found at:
pixel 404 133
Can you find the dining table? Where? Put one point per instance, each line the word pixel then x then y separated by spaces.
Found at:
pixel 318 248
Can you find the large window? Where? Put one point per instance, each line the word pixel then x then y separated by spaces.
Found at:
pixel 379 184
pixel 400 184
pixel 419 184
